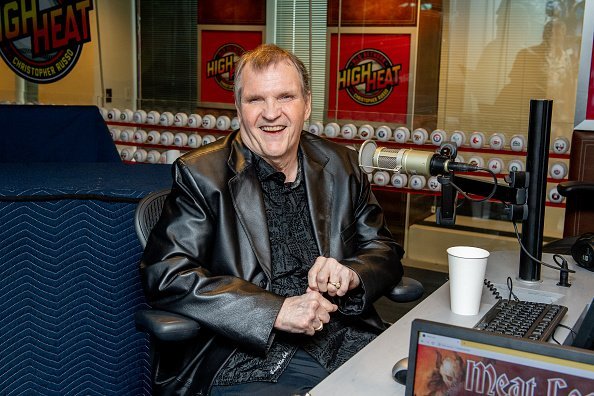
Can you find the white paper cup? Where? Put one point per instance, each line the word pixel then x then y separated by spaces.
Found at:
pixel 467 266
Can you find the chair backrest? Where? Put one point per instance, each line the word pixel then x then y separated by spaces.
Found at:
pixel 147 213
pixel 579 211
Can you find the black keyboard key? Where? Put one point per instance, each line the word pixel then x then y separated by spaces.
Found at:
pixel 526 319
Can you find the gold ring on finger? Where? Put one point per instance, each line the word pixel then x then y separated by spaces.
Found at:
pixel 335 284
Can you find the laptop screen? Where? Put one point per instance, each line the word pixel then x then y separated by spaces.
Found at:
pixel 451 360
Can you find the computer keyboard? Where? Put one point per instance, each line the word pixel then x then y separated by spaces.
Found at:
pixel 525 319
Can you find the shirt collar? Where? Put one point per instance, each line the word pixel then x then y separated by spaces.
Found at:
pixel 265 171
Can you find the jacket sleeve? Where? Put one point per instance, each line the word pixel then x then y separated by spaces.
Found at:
pixel 376 256
pixel 176 270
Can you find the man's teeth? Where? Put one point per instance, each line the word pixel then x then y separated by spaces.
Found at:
pixel 272 128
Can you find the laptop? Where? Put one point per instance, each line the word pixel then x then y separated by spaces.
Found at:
pixel 451 360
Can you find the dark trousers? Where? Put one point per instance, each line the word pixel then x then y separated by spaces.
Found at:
pixel 302 374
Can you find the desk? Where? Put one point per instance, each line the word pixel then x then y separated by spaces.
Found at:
pixel 370 371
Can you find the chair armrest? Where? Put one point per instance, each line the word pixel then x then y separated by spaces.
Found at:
pixel 406 290
pixel 575 187
pixel 166 326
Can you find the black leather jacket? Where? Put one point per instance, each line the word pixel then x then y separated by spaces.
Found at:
pixel 208 257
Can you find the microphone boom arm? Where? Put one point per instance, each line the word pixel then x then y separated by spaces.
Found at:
pixel 515 194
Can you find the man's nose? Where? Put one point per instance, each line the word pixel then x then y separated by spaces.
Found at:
pixel 272 109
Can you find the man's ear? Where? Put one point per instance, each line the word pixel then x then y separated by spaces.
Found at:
pixel 308 106
pixel 238 111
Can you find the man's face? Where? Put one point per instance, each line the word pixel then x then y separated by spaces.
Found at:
pixel 271 112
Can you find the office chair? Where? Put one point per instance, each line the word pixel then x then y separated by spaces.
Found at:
pixel 579 211
pixel 579 215
pixel 579 193
pixel 579 190
pixel 167 326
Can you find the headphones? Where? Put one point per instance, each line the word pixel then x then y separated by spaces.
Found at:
pixel 582 251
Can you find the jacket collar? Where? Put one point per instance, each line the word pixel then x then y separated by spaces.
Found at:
pixel 320 190
pixel 248 202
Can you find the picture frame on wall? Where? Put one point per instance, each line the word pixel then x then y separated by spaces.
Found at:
pixel 219 49
pixel 371 75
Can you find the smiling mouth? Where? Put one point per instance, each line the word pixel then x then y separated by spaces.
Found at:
pixel 273 129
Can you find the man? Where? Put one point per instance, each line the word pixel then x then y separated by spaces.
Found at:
pixel 273 241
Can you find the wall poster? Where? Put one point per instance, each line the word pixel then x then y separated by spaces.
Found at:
pixel 370 76
pixel 219 49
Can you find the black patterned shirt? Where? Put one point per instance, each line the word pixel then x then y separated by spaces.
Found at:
pixel 294 251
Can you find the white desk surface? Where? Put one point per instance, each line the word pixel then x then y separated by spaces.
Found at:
pixel 369 372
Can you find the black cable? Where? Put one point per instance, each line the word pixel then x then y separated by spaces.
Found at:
pixel 492 289
pixel 510 286
pixel 560 268
pixel 573 333
pixel 491 194
pixel 563 267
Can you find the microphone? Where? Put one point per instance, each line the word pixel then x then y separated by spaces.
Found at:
pixel 408 161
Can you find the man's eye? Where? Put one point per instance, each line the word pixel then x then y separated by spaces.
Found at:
pixel 255 100
pixel 286 98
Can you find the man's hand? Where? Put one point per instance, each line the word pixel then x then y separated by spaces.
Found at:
pixel 304 314
pixel 328 275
